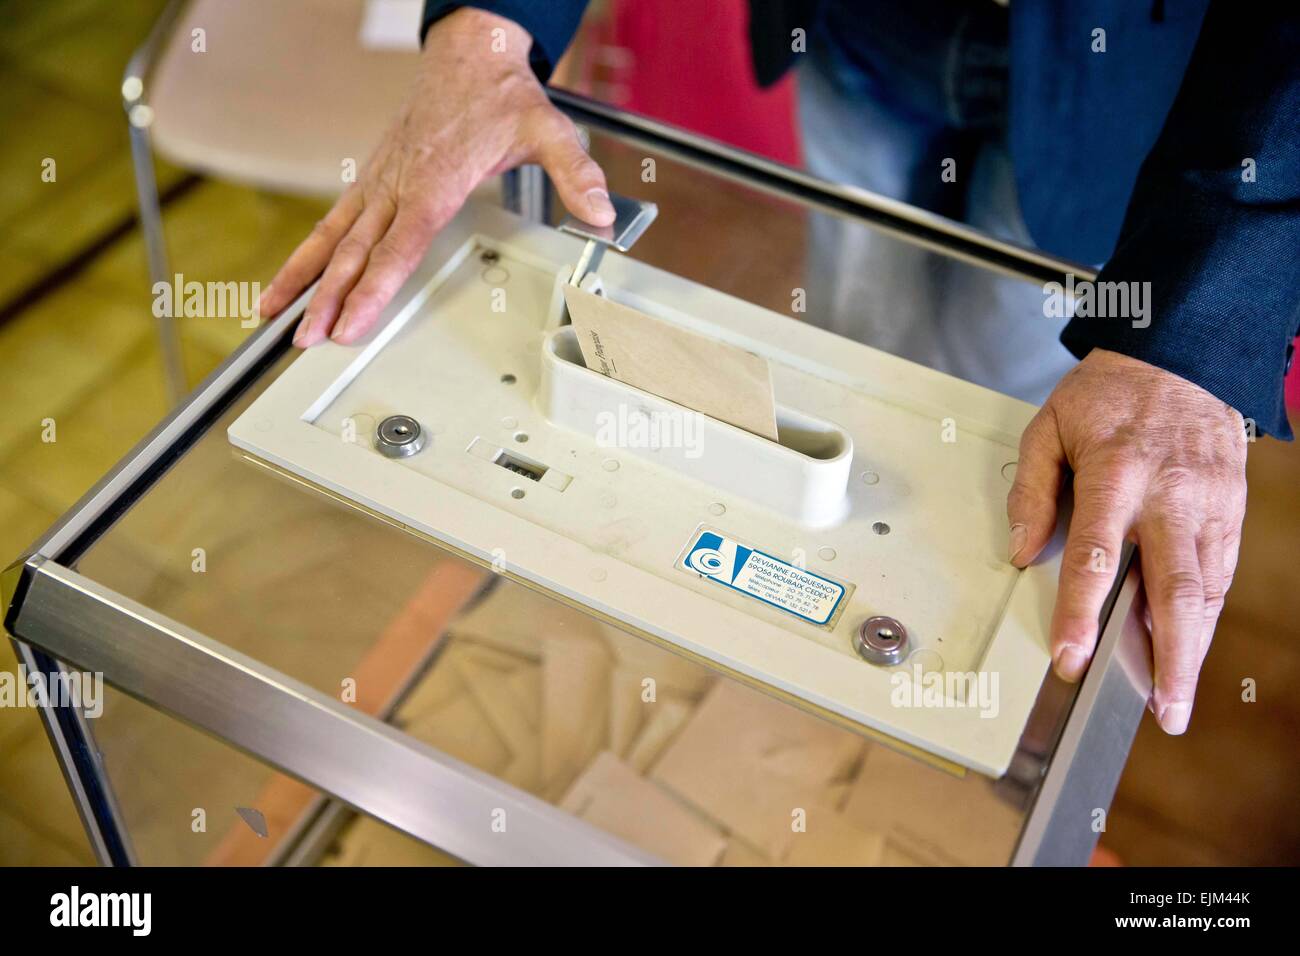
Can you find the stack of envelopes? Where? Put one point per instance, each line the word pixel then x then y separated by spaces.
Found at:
pixel 689 765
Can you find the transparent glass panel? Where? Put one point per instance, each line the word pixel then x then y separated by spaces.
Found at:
pixel 187 798
pixel 842 275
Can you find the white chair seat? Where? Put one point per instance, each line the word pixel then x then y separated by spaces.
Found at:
pixel 283 96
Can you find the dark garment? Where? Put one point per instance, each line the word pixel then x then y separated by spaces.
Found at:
pixel 1222 254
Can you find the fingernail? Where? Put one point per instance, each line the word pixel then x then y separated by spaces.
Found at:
pixel 300 336
pixel 1174 718
pixel 1070 662
pixel 1019 535
pixel 339 326
pixel 598 202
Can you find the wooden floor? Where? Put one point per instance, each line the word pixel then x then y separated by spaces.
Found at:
pixel 85 355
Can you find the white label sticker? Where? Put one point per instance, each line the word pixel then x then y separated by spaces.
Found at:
pixel 755 573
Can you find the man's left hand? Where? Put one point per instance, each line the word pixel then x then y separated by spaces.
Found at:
pixel 1156 460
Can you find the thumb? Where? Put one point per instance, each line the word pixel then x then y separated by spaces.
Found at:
pixel 578 179
pixel 1031 504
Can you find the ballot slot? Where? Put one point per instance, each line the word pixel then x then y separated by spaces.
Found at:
pixel 803 475
pixel 799 433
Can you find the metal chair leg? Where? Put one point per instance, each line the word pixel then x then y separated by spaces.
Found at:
pixel 151 225
pixel 139 118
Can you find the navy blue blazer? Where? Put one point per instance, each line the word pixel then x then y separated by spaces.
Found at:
pixel 1173 157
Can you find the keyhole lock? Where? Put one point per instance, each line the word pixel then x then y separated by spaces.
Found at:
pixel 882 641
pixel 399 436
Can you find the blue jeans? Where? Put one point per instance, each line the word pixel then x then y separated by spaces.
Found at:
pixel 925 86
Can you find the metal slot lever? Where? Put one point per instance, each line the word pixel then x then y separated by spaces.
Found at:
pixel 632 217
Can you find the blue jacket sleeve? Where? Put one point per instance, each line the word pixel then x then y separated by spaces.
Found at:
pixel 552 24
pixel 1214 222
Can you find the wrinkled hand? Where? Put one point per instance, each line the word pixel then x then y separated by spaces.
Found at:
pixel 476 110
pixel 1161 462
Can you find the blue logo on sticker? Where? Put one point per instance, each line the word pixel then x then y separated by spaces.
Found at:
pixel 765 578
pixel 717 558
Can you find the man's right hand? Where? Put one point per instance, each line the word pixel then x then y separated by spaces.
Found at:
pixel 476 110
